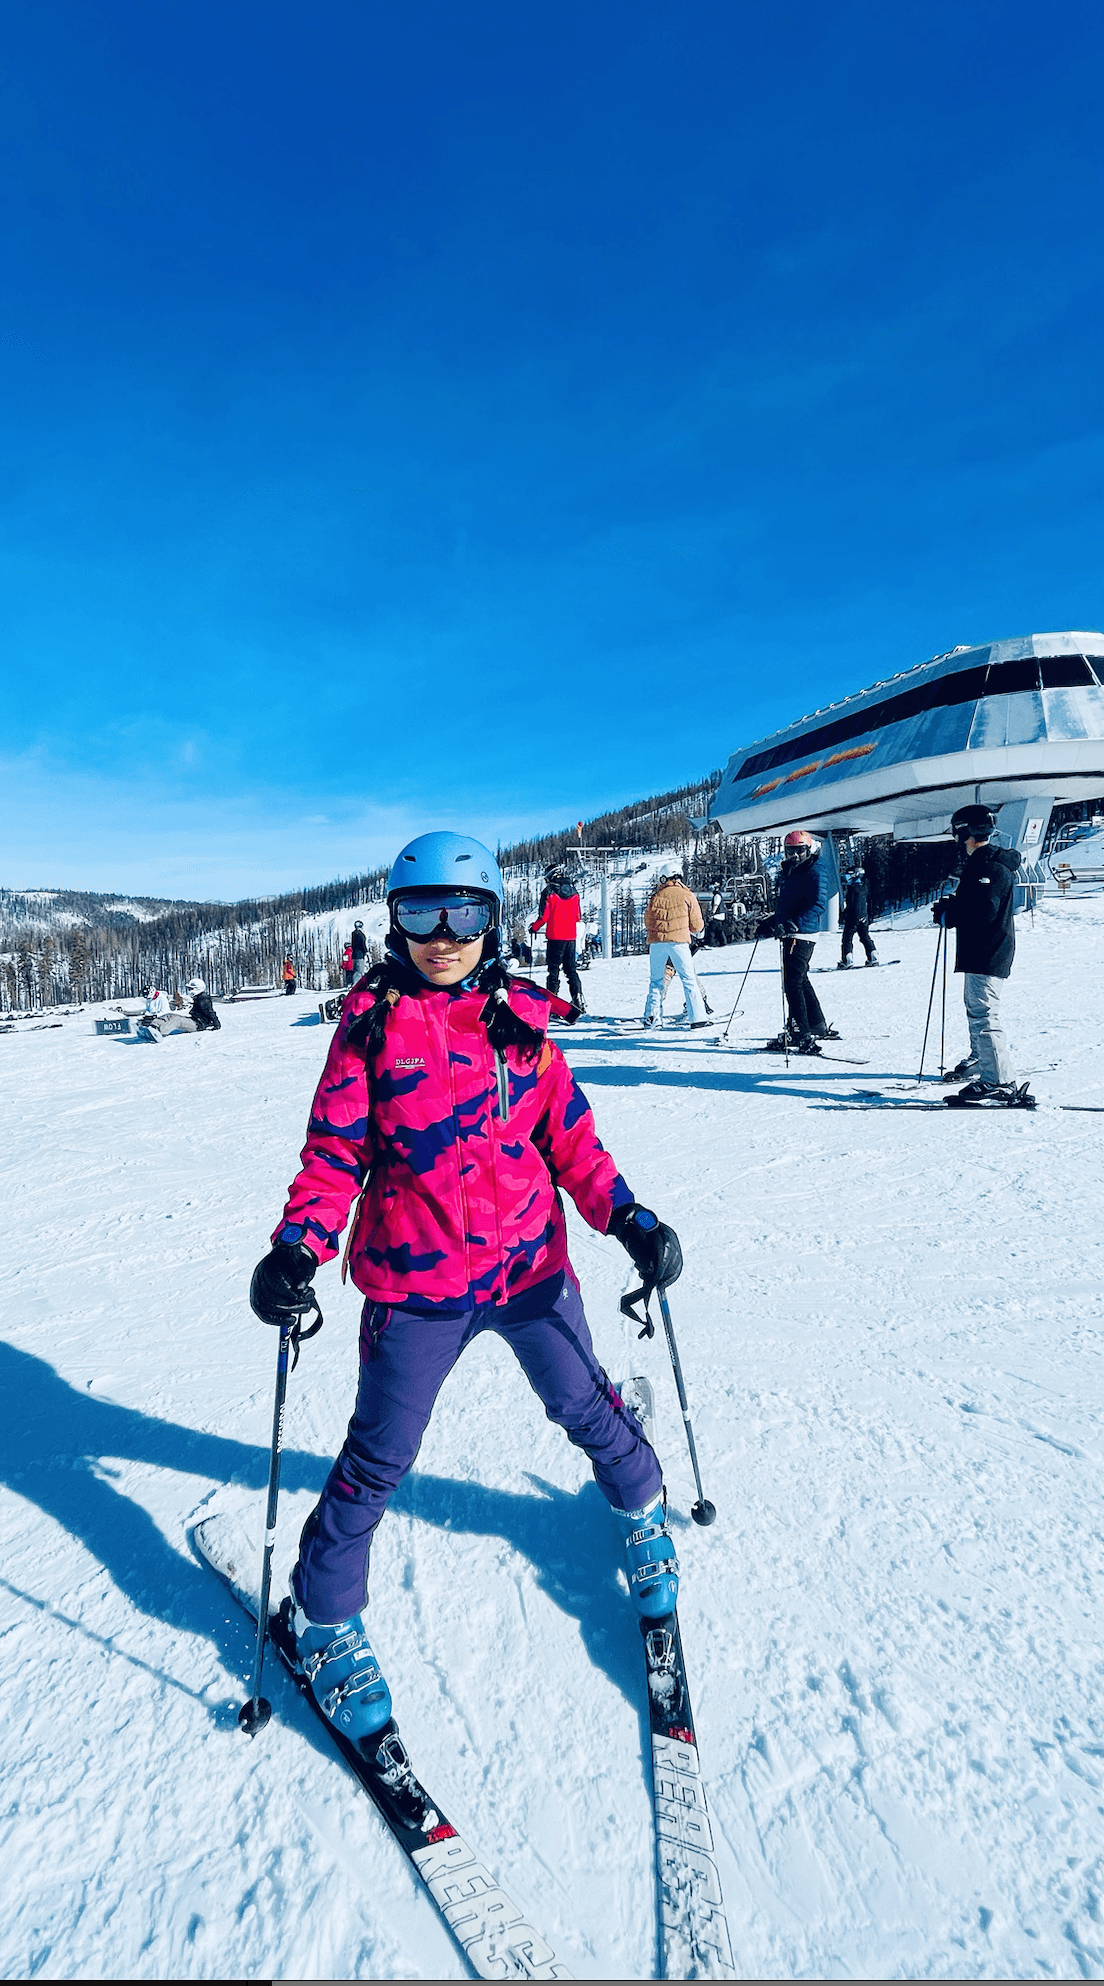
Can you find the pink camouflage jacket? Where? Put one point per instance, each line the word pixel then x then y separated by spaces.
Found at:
pixel 461 1202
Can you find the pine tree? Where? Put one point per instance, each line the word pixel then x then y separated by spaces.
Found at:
pixel 80 963
pixel 46 973
pixel 28 970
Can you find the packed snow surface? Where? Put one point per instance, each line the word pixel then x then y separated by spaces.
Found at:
pixel 890 1322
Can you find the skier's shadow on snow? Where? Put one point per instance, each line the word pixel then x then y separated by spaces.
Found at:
pixel 56 1437
pixel 572 1544
pixel 62 1446
pixel 764 1082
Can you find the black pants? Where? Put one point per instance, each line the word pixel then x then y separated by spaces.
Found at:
pixel 561 955
pixel 850 926
pixel 805 1009
pixel 715 932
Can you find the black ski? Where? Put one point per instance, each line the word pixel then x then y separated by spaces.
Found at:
pixel 489 1929
pixel 865 967
pixel 1021 1100
pixel 776 1048
pixel 693 1931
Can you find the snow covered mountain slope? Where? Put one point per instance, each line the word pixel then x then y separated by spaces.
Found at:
pixel 890 1322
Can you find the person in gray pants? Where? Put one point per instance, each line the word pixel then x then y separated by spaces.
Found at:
pixel 985 944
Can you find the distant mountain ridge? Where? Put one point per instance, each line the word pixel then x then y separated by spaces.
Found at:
pixel 43 910
pixel 60 944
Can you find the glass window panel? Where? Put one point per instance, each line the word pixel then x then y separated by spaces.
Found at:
pixel 1012 678
pixel 1065 672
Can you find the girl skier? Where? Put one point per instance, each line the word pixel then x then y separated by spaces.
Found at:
pixel 442 1098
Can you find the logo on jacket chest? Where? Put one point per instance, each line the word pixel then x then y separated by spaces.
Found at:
pixel 410 1061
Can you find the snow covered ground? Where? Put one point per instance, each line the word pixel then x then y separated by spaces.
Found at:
pixel 891 1325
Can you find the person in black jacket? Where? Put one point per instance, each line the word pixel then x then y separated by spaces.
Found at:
pixel 798 915
pixel 358 945
pixel 855 919
pixel 202 1009
pixel 985 943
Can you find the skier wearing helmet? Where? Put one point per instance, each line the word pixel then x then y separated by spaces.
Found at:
pixel 802 902
pixel 444 1106
pixel 981 912
pixel 202 1007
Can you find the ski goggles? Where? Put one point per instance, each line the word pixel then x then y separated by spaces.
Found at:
pixel 460 917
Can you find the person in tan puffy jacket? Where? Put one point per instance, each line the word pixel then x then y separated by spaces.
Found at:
pixel 672 916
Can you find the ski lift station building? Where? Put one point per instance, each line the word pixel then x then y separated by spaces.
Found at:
pixel 1017 724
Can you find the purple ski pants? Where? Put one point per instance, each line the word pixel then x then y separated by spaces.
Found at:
pixel 405 1359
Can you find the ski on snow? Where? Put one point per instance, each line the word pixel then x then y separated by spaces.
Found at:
pixel 853 1061
pixel 490 1930
pixel 693 1930
pixel 866 967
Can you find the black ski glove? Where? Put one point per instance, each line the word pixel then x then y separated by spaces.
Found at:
pixel 941 911
pixel 281 1286
pixel 654 1247
pixel 766 928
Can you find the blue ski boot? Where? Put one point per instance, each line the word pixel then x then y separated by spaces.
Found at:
pixel 344 1676
pixel 650 1560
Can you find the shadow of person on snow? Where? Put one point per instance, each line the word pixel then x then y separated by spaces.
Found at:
pixel 763 1082
pixel 573 1546
pixel 57 1438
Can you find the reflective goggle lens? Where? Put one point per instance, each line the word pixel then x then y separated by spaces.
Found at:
pixel 460 917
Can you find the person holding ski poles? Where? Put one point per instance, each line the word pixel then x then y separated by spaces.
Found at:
pixel 799 913
pixel 981 912
pixel 446 1108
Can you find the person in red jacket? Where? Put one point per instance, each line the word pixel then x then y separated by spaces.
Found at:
pixel 559 915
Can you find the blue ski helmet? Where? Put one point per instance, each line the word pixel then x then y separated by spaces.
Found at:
pixel 446 861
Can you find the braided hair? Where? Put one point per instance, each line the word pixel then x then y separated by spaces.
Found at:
pixel 389 981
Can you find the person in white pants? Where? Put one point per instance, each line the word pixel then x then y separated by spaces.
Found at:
pixel 672 916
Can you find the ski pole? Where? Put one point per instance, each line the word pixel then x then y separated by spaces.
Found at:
pixel 943 1024
pixel 940 940
pixel 782 986
pixel 256 1711
pixel 702 1512
pixel 739 995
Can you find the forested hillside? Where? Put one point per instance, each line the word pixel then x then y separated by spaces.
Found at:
pixel 61 945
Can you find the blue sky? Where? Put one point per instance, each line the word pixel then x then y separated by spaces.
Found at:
pixel 474 416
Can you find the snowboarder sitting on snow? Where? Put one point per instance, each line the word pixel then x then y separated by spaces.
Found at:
pixel 801 907
pixel 201 1015
pixel 443 1100
pixel 202 1010
pixel 981 912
